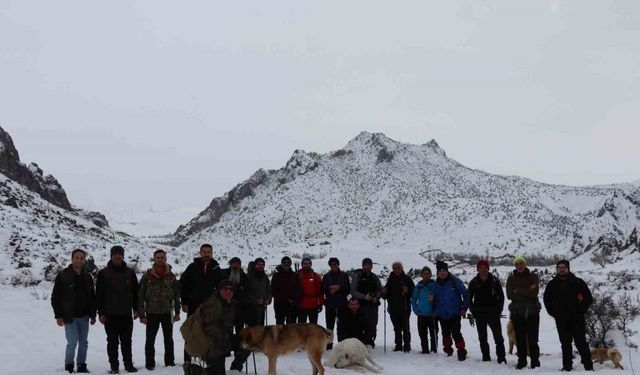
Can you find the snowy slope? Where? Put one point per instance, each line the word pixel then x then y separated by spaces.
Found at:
pixel 380 196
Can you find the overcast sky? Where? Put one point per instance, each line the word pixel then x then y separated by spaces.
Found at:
pixel 152 104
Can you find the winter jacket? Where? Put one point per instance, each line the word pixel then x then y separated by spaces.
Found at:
pixel 450 297
pixel 398 301
pixel 566 297
pixel 486 297
pixel 239 285
pixel 339 299
pixel 522 290
pixel 354 325
pixel 159 292
pixel 116 290
pixel 209 330
pixel 198 282
pixel 420 298
pixel 258 287
pixel 73 295
pixel 311 288
pixel 285 286
pixel 363 284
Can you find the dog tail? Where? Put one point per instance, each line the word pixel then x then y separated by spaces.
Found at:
pixel 615 357
pixel 328 334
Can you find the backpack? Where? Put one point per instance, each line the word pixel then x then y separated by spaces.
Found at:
pixel 196 342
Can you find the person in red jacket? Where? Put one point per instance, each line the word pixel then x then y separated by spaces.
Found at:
pixel 311 298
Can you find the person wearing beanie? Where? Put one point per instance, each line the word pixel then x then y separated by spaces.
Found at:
pixel 522 290
pixel 238 279
pixel 422 304
pixel 486 302
pixel 567 298
pixel 116 300
pixel 367 288
pixel 159 296
pixel 451 301
pixel 257 293
pixel 336 287
pixel 198 282
pixel 311 299
pixel 397 291
pixel 285 288
pixel 74 306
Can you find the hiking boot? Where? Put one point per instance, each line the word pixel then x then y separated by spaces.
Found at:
pixel 82 368
pixel 486 359
pixel 130 368
pixel 69 368
pixel 462 354
pixel 535 363
pixel 170 364
pixel 521 365
pixel 114 370
pixel 449 351
pixel 236 366
pixel 407 348
pixel 398 348
pixel 434 349
pixel 588 367
pixel 150 367
pixel 502 360
pixel 567 369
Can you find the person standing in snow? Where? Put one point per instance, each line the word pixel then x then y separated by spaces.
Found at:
pixel 311 298
pixel 159 296
pixel 422 303
pixel 486 301
pixel 397 291
pixel 285 289
pixel 238 278
pixel 567 298
pixel 336 288
pixel 366 287
pixel 257 293
pixel 452 302
pixel 198 282
pixel 117 298
pixel 74 305
pixel 522 290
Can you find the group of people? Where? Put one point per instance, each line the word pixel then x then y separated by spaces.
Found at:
pixel 227 300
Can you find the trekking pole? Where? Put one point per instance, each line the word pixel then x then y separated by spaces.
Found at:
pixel 385 326
pixel 255 369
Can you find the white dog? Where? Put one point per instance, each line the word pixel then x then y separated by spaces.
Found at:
pixel 352 354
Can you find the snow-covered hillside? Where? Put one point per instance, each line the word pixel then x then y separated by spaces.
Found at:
pixel 380 196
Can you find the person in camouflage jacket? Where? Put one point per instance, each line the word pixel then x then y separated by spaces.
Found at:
pixel 159 296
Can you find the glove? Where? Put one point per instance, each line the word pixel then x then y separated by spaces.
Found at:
pixel 319 309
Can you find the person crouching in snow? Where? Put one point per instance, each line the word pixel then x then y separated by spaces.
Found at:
pixel 451 301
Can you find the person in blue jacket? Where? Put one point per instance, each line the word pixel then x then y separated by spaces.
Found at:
pixel 423 307
pixel 451 302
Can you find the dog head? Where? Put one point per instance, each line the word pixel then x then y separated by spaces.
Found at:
pixel 251 337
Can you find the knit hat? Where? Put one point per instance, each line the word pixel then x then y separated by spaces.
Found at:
pixel 259 260
pixel 565 262
pixel 334 260
pixel 225 284
pixel 520 259
pixel 235 260
pixel 306 259
pixel 117 250
pixel 481 263
pixel 78 251
pixel 440 265
pixel 425 269
pixel 285 259
pixel 367 261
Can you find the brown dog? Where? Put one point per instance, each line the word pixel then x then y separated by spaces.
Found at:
pixel 275 341
pixel 607 354
pixel 511 334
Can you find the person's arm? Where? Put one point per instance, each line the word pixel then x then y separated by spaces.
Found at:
pixel 587 297
pixel 533 289
pixel 134 293
pixel 275 284
pixel 318 282
pixel 547 298
pixel 499 294
pixel 92 299
pixel 55 297
pixel 510 291
pixel 463 292
pixel 414 300
pixel 186 286
pixel 325 284
pixel 269 295
pixel 354 288
pixel 176 296
pixel 379 285
pixel 142 297
pixel 346 285
pixel 471 294
pixel 100 293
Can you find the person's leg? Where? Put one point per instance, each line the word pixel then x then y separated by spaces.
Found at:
pixel 423 333
pixel 406 331
pixel 564 335
pixel 580 340
pixel 292 314
pixel 533 329
pixel 481 327
pixel 520 328
pixel 112 330
pixel 83 343
pixel 125 341
pixel 302 316
pixel 72 335
pixel 447 341
pixel 496 329
pixel 456 333
pixel 330 317
pixel 167 333
pixel 151 330
pixel 374 322
pixel 281 313
pixel 313 316
pixel 432 325
pixel 396 321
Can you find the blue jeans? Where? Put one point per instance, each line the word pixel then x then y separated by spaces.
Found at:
pixel 76 333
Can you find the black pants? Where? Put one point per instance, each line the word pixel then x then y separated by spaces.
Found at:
pixel 451 328
pixel 371 315
pixel 526 336
pixel 572 328
pixel 119 329
pixel 254 316
pixel 402 333
pixel 493 322
pixel 330 314
pixel 216 367
pixel 285 313
pixel 311 315
pixel 428 331
pixel 154 321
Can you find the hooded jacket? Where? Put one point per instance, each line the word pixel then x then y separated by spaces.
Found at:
pixel 198 282
pixel 450 297
pixel 258 287
pixel 522 290
pixel 566 297
pixel 159 292
pixel 311 290
pixel 399 302
pixel 336 278
pixel 420 298
pixel 116 290
pixel 285 285
pixel 486 297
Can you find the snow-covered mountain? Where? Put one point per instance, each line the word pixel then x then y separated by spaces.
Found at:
pixel 377 195
pixel 39 227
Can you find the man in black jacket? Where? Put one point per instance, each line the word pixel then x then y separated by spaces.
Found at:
pixel 198 282
pixel 285 290
pixel 336 288
pixel 398 291
pixel 567 298
pixel 366 287
pixel 238 278
pixel 74 304
pixel 352 324
pixel 117 298
pixel 486 301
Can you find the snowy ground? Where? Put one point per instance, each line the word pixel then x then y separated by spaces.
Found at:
pixel 31 343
